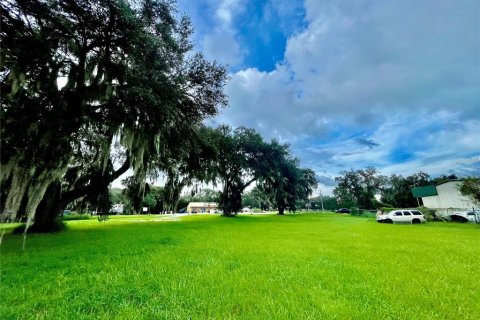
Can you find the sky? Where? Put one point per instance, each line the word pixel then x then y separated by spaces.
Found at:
pixel 350 84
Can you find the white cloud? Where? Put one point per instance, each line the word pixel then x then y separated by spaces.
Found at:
pixel 402 74
pixel 362 81
pixel 226 9
pixel 222 43
pixel 223 48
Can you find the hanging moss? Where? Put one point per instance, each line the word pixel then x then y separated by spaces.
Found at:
pixel 29 184
pixel 19 179
pixel 134 84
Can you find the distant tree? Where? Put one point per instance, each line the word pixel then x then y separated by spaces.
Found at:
pixel 183 202
pixel 158 194
pixel 150 202
pixel 207 195
pixel 257 198
pixel 470 187
pixel 238 153
pixel 277 167
pixel 248 200
pixel 359 187
pixel 282 178
pixel 116 195
pixel 134 193
pixel 192 162
pixel 119 197
pixel 329 203
pixel 261 197
pixel 398 191
pixel 444 178
pixel 305 183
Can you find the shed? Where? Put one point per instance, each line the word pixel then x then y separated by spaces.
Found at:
pixel 444 198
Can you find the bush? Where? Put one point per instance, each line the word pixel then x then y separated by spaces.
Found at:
pixel 102 217
pixel 430 214
pixel 363 213
pixel 76 217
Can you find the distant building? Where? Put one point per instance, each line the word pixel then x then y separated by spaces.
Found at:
pixel 445 197
pixel 202 207
pixel 118 208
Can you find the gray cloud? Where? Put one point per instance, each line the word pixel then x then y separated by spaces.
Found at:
pixel 326 181
pixel 391 84
pixel 367 142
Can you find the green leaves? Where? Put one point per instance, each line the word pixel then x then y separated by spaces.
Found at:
pixel 127 81
pixel 244 158
pixel 470 187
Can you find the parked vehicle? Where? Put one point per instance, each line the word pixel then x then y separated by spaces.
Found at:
pixel 402 216
pixel 342 210
pixel 466 216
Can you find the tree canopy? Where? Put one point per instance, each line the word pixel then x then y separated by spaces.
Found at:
pixel 238 153
pixel 470 187
pixel 359 187
pixel 78 77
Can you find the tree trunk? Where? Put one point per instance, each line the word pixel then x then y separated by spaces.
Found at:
pixel 54 201
pixel 175 205
pixel 225 200
pixel 49 210
pixel 281 210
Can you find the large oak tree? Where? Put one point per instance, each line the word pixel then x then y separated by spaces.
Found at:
pixel 78 77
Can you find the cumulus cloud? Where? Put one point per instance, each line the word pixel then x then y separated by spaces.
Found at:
pixel 326 181
pixel 223 47
pixel 222 43
pixel 392 84
pixel 287 15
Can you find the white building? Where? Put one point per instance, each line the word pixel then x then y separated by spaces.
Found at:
pixel 444 198
pixel 118 208
pixel 202 207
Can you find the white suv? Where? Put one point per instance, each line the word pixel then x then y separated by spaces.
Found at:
pixel 405 216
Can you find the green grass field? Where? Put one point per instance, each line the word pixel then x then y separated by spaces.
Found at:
pixel 313 266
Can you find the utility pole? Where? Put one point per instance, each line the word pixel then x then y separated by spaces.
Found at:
pixel 321 198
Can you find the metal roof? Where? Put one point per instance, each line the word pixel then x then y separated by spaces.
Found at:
pixel 202 204
pixel 425 191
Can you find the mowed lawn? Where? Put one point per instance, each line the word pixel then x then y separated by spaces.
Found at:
pixel 303 266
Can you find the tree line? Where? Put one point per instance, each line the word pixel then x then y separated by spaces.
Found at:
pixel 368 189
pixel 92 89
pixel 232 160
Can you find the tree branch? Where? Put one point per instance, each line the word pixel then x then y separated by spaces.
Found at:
pixel 82 191
pixel 248 183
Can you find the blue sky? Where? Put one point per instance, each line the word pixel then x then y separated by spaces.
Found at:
pixel 349 84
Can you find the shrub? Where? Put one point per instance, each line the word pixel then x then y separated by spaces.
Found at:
pixel 430 214
pixel 76 217
pixel 363 213
pixel 102 217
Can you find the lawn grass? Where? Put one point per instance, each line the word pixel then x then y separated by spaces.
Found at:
pixel 309 266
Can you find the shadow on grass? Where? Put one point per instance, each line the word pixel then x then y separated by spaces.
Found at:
pixel 57 226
